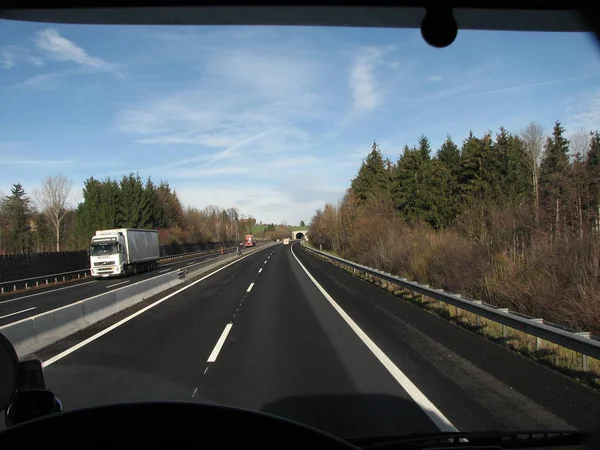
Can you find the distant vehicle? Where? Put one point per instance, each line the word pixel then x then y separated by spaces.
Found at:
pixel 123 251
pixel 286 241
pixel 249 241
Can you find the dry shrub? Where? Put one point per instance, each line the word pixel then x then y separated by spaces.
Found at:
pixel 553 279
pixel 458 265
pixel 415 248
pixel 367 235
pixel 493 254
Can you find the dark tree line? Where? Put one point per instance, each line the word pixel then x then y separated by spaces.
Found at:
pixel 129 202
pixel 488 170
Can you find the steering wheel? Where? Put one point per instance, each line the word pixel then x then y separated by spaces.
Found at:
pixel 156 423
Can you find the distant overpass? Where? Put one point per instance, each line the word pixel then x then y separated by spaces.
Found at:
pixel 299 234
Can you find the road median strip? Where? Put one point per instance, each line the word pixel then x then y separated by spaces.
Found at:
pixel 33 333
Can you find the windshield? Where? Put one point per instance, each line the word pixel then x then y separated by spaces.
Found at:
pixel 97 248
pixel 300 205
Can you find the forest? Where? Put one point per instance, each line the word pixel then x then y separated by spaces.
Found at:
pixel 47 220
pixel 512 219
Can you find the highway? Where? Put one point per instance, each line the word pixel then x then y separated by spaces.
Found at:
pixel 284 332
pixel 22 304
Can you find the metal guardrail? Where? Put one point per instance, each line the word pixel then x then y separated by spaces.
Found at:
pixel 43 280
pixel 577 341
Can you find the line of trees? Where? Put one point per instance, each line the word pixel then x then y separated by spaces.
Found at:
pixel 52 223
pixel 511 218
pixel 24 227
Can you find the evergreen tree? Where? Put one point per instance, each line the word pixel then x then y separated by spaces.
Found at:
pixel 131 206
pixel 554 178
pixel 449 155
pixel 413 185
pixel 474 176
pixel 18 211
pixel 373 178
pixel 512 183
pixel 593 178
pixel 446 175
pixel 151 211
pixel 88 212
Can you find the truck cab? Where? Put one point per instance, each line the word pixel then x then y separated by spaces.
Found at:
pixel 249 241
pixel 108 255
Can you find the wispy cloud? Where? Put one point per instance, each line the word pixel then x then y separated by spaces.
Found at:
pixel 367 89
pixel 365 94
pixel 584 112
pixel 254 103
pixel 527 86
pixel 12 55
pixel 58 48
pixel 41 81
pixel 435 78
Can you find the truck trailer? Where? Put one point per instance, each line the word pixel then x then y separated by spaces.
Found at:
pixel 123 251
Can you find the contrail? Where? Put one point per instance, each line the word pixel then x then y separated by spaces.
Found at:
pixel 222 154
pixel 516 88
pixel 228 150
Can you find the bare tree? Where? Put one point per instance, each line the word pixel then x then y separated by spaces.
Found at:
pixel 578 147
pixel 54 198
pixel 578 144
pixel 533 139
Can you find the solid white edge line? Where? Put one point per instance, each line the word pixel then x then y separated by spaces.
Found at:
pixel 18 312
pixel 219 344
pixel 250 287
pixel 134 315
pixel 413 391
pixel 46 292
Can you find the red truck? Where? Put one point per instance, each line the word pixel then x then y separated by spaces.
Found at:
pixel 249 241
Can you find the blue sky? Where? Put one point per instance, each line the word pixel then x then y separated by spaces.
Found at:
pixel 272 120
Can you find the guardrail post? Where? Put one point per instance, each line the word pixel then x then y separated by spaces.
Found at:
pixel 585 363
pixel 37 283
pixel 46 280
pixel 26 285
pixel 14 287
pixel 504 329
pixel 477 316
pixel 538 341
pixel 55 279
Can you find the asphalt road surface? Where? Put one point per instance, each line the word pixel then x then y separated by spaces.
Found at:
pixel 20 305
pixel 284 332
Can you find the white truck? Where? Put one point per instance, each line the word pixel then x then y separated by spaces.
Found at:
pixel 286 241
pixel 123 251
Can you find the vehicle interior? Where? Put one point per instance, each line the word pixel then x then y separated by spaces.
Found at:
pixel 35 413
